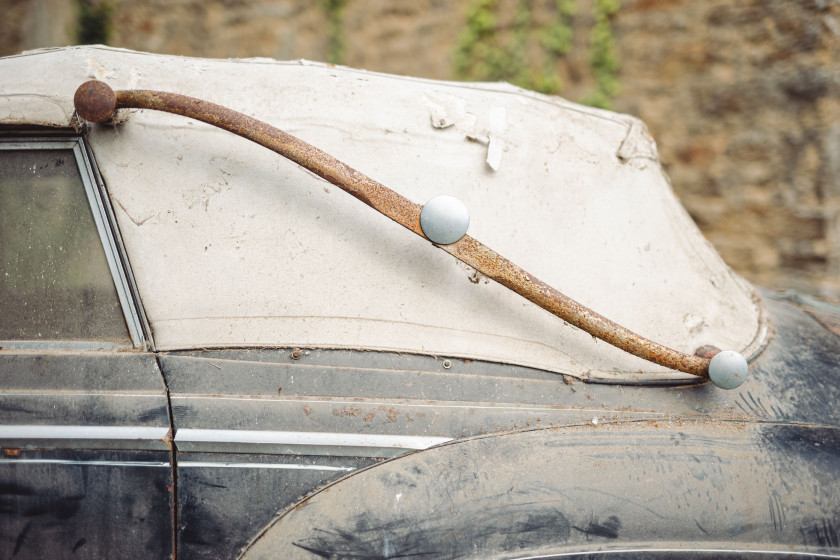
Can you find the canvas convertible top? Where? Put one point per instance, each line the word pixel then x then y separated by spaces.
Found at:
pixel 234 246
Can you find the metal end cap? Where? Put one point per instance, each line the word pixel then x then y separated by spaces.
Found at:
pixel 728 369
pixel 444 219
pixel 95 101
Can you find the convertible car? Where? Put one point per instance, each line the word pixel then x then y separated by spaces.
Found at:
pixel 210 350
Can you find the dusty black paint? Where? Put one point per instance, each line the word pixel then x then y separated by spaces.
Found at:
pixel 698 553
pixel 745 486
pixel 817 448
pixel 79 544
pixel 15 489
pixel 791 400
pixel 687 465
pixel 608 529
pixel 797 379
pixel 822 533
pixel 206 534
pixel 811 453
pixel 59 510
pixel 63 507
pixel 437 536
pixel 221 508
pixel 83 501
pixel 20 540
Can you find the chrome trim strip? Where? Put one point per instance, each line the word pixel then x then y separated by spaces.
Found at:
pixel 77 345
pixel 762 549
pixel 317 439
pixel 131 433
pixel 293 467
pixel 51 393
pixel 405 403
pixel 38 143
pixel 100 216
pixel 85 463
pixel 134 305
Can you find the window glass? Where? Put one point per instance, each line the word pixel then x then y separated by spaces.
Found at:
pixel 55 282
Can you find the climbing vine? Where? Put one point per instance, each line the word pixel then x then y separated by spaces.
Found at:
pixel 529 55
pixel 526 55
pixel 478 55
pixel 93 21
pixel 334 10
pixel 557 40
pixel 603 56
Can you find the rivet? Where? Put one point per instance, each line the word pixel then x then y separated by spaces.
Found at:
pixel 447 364
pixel 728 369
pixel 444 219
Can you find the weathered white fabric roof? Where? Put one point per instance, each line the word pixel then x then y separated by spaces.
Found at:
pixel 232 245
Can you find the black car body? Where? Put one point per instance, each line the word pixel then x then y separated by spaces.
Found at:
pixel 206 355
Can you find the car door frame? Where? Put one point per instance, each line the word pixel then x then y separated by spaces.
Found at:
pixel 111 420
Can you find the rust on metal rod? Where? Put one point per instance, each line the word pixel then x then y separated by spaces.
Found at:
pixel 95 101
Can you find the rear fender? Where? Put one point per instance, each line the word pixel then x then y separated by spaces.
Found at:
pixel 647 485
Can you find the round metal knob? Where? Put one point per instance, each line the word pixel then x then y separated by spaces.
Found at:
pixel 444 219
pixel 728 369
pixel 95 101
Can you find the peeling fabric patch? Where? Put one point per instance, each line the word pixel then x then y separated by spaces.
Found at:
pixel 97 71
pixel 446 110
pixel 494 152
pixel 495 147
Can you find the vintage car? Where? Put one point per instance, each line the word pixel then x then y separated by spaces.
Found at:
pixel 211 351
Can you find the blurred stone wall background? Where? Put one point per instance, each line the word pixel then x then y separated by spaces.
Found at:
pixel 742 96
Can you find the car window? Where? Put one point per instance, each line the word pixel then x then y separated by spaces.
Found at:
pixel 55 280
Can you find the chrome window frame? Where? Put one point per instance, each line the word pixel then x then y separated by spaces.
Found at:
pixel 109 236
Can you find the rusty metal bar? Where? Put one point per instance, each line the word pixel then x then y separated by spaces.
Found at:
pixel 95 101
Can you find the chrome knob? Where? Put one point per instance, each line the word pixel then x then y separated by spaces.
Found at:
pixel 728 369
pixel 444 219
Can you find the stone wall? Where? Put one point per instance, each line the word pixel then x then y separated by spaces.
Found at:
pixel 744 101
pixel 742 96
